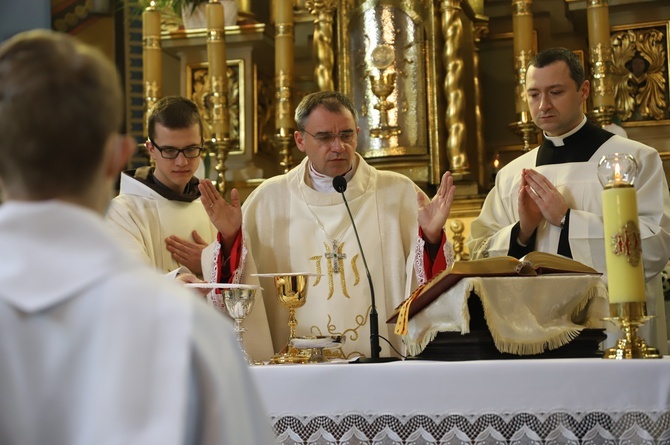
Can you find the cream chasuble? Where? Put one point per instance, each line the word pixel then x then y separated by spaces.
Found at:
pixel 290 227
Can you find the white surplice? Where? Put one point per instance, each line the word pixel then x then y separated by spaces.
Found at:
pixel 578 183
pixel 97 348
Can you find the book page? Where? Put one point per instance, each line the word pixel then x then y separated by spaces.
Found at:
pixel 551 263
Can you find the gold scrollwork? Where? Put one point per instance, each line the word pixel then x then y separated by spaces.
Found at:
pixel 628 242
pixel 640 74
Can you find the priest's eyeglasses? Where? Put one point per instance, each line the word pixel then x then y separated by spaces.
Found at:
pixel 346 137
pixel 171 153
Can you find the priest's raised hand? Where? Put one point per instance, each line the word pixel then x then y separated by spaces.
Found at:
pixel 433 214
pixel 226 217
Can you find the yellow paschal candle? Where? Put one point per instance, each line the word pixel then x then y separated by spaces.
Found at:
pixel 623 250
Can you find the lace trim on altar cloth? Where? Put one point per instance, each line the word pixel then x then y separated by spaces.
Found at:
pixel 556 428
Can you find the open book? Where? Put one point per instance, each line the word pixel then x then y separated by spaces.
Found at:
pixel 534 263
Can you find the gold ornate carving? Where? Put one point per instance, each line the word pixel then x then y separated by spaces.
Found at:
pixel 284 29
pixel 521 61
pixel 323 11
pixel 283 93
pixel 640 73
pixel 216 35
pixel 200 90
pixel 522 7
pixel 601 67
pixel 151 93
pixel 452 28
pixel 480 29
pixel 151 42
pixel 458 240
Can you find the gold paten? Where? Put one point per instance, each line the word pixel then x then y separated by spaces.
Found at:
pixel 629 317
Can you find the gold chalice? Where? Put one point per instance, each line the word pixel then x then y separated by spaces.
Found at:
pixel 291 292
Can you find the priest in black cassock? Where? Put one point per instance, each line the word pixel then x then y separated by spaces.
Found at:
pixel 549 199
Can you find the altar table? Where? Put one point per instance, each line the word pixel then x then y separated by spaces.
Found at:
pixel 523 401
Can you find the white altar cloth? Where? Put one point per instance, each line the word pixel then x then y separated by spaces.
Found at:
pixel 539 399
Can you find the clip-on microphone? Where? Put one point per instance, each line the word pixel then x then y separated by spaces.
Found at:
pixel 340 185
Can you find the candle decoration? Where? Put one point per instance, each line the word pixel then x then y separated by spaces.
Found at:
pixel 623 255
pixel 218 78
pixel 151 56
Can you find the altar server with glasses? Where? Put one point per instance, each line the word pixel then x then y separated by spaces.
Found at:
pixel 158 213
pixel 96 347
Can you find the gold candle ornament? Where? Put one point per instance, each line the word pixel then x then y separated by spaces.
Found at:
pixel 623 255
pixel 218 67
pixel 284 60
pixel 151 55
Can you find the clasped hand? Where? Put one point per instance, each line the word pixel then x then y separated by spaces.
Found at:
pixel 538 199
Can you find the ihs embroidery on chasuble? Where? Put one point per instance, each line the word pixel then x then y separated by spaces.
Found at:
pixel 335 262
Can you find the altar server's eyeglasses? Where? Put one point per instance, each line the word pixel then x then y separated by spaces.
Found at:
pixel 171 153
pixel 346 137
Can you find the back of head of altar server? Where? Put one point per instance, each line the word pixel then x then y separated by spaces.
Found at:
pixel 60 112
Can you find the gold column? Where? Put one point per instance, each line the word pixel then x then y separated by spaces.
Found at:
pixel 218 79
pixel 481 28
pixel 452 29
pixel 323 10
pixel 522 25
pixel 151 58
pixel 284 60
pixel 600 49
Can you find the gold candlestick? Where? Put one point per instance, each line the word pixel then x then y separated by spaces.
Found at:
pixel 623 255
pixel 284 56
pixel 151 56
pixel 218 78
